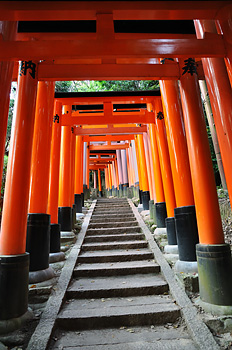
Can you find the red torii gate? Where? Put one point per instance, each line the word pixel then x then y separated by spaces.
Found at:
pixel 105 54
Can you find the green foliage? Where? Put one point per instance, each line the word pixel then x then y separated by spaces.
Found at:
pixel 106 85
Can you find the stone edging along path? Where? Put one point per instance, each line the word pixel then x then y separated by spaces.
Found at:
pixel 200 333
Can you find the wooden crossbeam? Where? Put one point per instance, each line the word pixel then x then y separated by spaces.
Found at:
pixel 108 138
pixel 108 147
pixel 211 46
pixel 124 10
pixel 112 131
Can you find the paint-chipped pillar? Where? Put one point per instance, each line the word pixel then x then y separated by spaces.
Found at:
pixel 184 225
pixel 38 224
pixel 78 173
pixel 124 172
pixel 144 177
pixel 120 175
pixel 8 31
pixel 14 262
pixel 53 194
pixel 164 158
pixel 213 255
pixel 220 94
pixel 99 183
pixel 107 181
pixel 65 205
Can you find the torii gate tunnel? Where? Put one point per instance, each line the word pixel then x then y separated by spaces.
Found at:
pixel 152 144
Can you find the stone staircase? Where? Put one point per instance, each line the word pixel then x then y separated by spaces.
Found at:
pixel 117 298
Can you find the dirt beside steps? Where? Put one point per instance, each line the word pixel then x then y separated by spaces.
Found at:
pixel 117 298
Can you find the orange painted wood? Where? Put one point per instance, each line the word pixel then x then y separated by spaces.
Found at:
pixel 106 178
pixel 108 138
pixel 72 172
pixel 210 46
pixel 110 147
pixel 53 195
pixel 8 32
pixel 65 164
pixel 110 130
pixel 220 94
pixel 41 150
pixel 78 165
pixel 177 143
pixel 142 161
pixel 13 237
pixel 159 191
pixel 138 163
pixel 165 165
pixel 127 10
pixel 87 164
pixel 204 188
pixel 99 180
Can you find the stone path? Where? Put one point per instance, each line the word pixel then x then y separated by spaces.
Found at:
pixel 117 298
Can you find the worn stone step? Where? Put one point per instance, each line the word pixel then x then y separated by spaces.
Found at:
pixel 114 255
pixel 116 268
pixel 118 237
pixel 83 316
pixel 112 219
pixel 112 224
pixel 159 337
pixel 114 245
pixel 106 231
pixel 117 286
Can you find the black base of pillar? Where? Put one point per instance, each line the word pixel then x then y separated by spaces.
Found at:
pixel 78 202
pixel 74 211
pixel 54 238
pixel 161 214
pixel 100 194
pixel 82 199
pixel 140 197
pixel 215 273
pixel 151 202
pixel 145 199
pixel 38 241
pixel 110 192
pixel 14 272
pixel 65 218
pixel 171 231
pixel 186 232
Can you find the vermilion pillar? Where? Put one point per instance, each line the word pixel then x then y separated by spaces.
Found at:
pixel 110 178
pixel 214 260
pixel 144 177
pixel 139 169
pixel 72 175
pixel 124 171
pixel 65 207
pixel 220 94
pixel 160 212
pixel 14 263
pixel 164 159
pixel 38 227
pixel 99 183
pixel 53 195
pixel 8 31
pixel 120 176
pixel 182 226
pixel 78 173
pixel 147 158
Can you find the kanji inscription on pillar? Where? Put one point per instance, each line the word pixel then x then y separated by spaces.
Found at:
pixel 190 66
pixel 160 115
pixel 56 119
pixel 28 66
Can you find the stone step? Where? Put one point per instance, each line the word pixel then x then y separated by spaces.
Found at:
pixel 81 314
pixel 112 219
pixel 117 286
pixel 114 245
pixel 112 224
pixel 114 255
pixel 113 215
pixel 159 337
pixel 117 237
pixel 106 231
pixel 116 269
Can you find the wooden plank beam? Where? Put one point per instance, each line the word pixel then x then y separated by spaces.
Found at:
pixel 146 118
pixel 101 99
pixel 108 138
pixel 108 147
pixel 211 46
pixel 112 131
pixel 127 10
